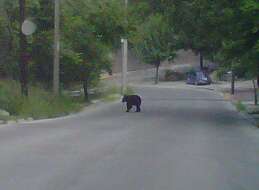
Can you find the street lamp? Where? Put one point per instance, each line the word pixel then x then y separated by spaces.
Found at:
pixel 28 27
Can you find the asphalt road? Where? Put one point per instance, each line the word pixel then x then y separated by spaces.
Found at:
pixel 182 140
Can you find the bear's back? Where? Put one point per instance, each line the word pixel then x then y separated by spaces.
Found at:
pixel 134 99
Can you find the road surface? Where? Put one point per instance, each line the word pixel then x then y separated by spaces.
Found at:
pixel 184 139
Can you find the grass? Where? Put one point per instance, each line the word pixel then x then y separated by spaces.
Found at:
pixel 240 106
pixel 129 91
pixel 40 103
pixel 110 93
pixel 111 97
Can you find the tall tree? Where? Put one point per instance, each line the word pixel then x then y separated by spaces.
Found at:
pixel 23 51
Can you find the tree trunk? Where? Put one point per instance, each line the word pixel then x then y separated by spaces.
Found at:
pixel 255 93
pixel 23 56
pixel 157 73
pixel 85 85
pixel 56 61
pixel 232 82
pixel 201 61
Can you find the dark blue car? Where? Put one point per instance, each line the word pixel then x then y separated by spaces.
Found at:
pixel 198 78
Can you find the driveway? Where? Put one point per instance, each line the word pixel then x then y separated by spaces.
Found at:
pixel 184 139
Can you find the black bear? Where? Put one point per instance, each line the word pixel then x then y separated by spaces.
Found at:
pixel 132 100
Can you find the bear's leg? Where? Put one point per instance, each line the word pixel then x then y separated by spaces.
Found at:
pixel 138 108
pixel 129 106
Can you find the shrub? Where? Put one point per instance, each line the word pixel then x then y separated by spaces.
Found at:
pixel 171 75
pixel 240 106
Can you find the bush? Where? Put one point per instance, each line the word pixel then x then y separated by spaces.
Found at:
pixel 215 76
pixel 240 106
pixel 173 76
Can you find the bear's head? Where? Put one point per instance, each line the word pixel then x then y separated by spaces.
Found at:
pixel 125 98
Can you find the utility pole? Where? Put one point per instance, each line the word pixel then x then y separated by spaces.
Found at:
pixel 56 48
pixel 125 56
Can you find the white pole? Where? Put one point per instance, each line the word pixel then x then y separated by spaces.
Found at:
pixel 56 48
pixel 125 58
pixel 124 65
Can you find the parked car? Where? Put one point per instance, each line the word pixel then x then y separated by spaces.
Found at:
pixel 198 78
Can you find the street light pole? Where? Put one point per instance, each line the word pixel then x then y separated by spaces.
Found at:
pixel 124 65
pixel 125 57
pixel 56 48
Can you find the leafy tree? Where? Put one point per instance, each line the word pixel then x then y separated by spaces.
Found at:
pixel 239 39
pixel 154 42
pixel 249 34
pixel 197 22
pixel 89 35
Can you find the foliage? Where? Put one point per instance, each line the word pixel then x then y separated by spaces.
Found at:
pixel 154 40
pixel 90 31
pixel 41 42
pixel 89 35
pixel 223 31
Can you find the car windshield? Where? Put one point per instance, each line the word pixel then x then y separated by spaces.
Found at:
pixel 200 74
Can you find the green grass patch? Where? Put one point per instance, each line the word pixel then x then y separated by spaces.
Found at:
pixel 40 103
pixel 240 106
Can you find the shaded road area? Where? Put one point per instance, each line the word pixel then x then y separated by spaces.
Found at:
pixel 183 139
